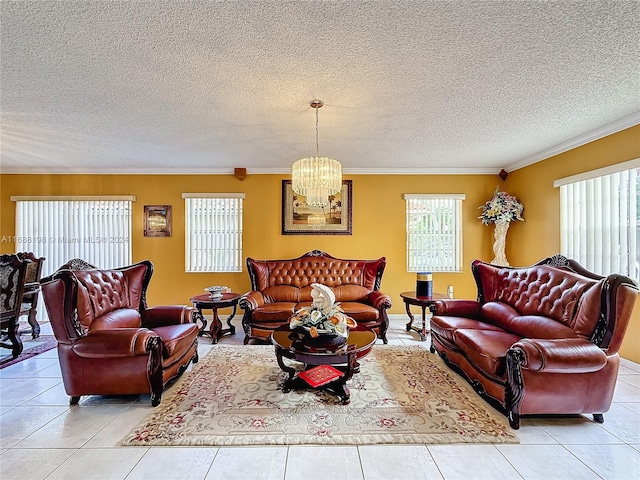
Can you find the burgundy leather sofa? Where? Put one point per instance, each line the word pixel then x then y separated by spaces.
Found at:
pixel 109 341
pixel 538 340
pixel 280 287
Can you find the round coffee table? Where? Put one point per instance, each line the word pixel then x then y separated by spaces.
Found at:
pixel 344 358
pixel 204 301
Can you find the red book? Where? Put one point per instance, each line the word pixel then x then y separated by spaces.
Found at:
pixel 320 375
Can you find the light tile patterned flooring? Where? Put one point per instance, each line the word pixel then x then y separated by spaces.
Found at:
pixel 41 437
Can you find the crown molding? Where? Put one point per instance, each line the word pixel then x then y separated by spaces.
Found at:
pixel 617 126
pixel 253 171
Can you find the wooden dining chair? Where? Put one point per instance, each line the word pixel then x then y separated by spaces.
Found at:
pixel 12 275
pixel 29 304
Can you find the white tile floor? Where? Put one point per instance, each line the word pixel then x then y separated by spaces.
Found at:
pixel 41 437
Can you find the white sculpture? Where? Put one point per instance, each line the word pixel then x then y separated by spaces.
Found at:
pixel 322 297
pixel 500 236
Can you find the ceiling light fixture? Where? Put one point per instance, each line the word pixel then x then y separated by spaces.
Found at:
pixel 316 178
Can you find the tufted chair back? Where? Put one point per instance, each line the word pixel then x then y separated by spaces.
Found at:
pixel 532 298
pixel 100 299
pixel 103 291
pixel 290 280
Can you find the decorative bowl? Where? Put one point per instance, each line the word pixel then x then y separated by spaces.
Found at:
pixel 325 339
pixel 216 291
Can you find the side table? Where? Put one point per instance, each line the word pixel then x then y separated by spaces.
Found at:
pixel 410 298
pixel 205 302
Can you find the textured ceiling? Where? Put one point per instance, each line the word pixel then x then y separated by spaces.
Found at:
pixel 430 86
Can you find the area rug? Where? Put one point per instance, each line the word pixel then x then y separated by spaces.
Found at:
pixel 31 348
pixel 401 395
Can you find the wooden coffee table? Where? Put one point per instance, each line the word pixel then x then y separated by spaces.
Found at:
pixel 410 298
pixel 205 302
pixel 344 358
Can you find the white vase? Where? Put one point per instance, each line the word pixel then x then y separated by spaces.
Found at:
pixel 500 235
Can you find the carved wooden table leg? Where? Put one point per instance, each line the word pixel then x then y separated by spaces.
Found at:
pixel 232 328
pixel 289 382
pixel 341 389
pixel 423 332
pixel 215 331
pixel 410 317
pixel 203 321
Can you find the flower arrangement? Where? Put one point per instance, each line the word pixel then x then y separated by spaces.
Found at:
pixel 323 316
pixel 502 208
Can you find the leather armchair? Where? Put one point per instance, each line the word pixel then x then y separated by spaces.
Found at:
pixel 109 341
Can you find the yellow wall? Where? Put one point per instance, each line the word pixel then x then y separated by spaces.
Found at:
pixel 534 186
pixel 378 220
pixel 378 224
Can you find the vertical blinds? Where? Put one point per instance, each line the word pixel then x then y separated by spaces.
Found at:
pixel 97 231
pixel 599 221
pixel 434 233
pixel 213 232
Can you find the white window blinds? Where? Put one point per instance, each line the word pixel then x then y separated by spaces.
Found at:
pixel 213 232
pixel 599 222
pixel 434 232
pixel 97 231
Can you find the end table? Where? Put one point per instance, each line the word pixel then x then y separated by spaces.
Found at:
pixel 205 302
pixel 410 298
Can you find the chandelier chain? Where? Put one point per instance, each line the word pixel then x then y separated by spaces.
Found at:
pixel 317 148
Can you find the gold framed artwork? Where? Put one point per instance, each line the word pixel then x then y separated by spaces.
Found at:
pixel 334 218
pixel 157 220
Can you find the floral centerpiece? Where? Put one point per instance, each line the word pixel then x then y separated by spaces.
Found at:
pixel 502 208
pixel 323 317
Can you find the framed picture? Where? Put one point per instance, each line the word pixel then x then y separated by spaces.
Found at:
pixel 334 218
pixel 157 220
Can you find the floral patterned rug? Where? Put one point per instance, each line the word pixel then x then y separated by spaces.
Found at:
pixel 401 395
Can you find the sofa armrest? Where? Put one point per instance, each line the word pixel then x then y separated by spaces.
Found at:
pixel 251 300
pixel 564 355
pixel 165 315
pixel 458 308
pixel 119 342
pixel 380 300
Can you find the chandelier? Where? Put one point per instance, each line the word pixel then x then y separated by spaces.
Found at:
pixel 316 178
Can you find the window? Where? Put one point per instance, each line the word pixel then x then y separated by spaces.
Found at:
pixel 434 232
pixel 599 219
pixel 97 230
pixel 213 232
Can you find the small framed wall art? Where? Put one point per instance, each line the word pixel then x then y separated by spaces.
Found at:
pixel 157 220
pixel 334 218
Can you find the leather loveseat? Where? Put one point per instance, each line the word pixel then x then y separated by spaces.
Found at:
pixel 538 340
pixel 280 287
pixel 109 341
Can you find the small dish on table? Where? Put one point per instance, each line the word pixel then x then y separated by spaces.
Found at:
pixel 216 291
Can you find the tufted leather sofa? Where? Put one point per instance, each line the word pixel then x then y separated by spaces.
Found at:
pixel 109 341
pixel 279 287
pixel 538 340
